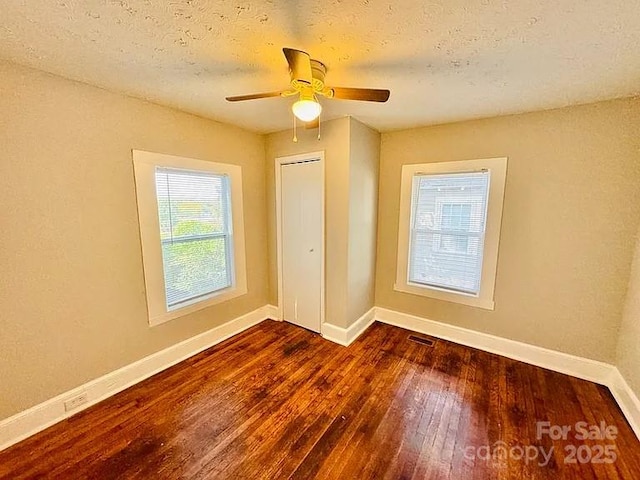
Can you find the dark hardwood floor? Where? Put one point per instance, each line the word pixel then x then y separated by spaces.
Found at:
pixel 280 402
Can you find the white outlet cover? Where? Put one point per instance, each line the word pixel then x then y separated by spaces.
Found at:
pixel 76 401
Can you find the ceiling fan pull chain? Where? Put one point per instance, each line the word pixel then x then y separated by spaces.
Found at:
pixel 319 122
pixel 295 137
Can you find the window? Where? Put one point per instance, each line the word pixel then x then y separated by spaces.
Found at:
pixel 447 230
pixel 192 233
pixel 450 217
pixel 194 215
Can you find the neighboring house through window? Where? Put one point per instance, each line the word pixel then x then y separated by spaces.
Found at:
pixel 449 230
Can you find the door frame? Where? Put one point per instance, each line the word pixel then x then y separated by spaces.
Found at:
pixel 279 162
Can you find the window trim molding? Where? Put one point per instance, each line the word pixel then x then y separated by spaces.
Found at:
pixel 498 171
pixel 144 164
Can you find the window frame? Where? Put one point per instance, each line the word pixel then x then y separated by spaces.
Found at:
pixel 498 170
pixel 145 164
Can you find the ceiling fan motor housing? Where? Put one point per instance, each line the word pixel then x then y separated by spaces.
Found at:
pixel 318 73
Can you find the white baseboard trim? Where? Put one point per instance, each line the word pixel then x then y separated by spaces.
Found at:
pixel 626 398
pixel 49 412
pixel 346 336
pixel 584 368
pixel 272 312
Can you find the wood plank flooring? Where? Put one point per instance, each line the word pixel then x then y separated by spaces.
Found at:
pixel 279 402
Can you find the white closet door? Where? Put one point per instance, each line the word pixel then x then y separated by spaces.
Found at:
pixel 301 187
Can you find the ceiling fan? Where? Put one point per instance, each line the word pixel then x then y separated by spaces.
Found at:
pixel 307 81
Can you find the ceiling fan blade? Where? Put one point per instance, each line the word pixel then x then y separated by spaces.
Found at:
pixel 299 64
pixel 364 94
pixel 254 96
pixel 312 124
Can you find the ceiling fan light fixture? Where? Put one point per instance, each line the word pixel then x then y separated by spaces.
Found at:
pixel 307 80
pixel 306 109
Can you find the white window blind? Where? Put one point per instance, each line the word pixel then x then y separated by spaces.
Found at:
pixel 195 232
pixel 448 216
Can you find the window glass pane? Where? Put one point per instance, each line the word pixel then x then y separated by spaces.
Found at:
pixel 447 230
pixel 194 216
pixel 190 203
pixel 194 268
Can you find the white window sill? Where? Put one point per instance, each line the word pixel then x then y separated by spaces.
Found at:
pixel 464 299
pixel 213 299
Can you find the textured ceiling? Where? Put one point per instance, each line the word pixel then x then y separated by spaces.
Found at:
pixel 443 60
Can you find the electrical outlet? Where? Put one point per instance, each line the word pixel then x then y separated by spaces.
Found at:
pixel 76 401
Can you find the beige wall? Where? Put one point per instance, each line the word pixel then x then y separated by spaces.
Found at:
pixel 571 211
pixel 629 344
pixel 364 162
pixel 72 290
pixel 335 143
